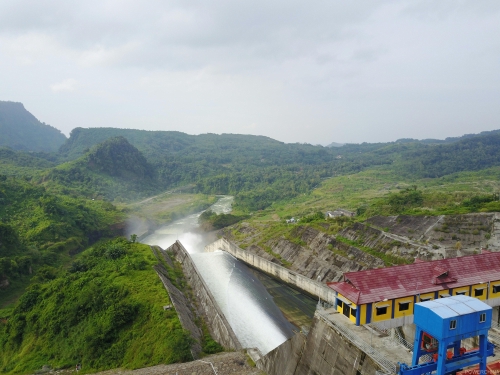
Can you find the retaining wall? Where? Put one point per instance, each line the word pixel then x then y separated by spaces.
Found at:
pixel 217 323
pixel 324 351
pixel 182 307
pixel 327 352
pixel 302 282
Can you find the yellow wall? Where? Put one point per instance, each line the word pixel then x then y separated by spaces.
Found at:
pixel 465 289
pixel 351 317
pixel 399 314
pixel 394 304
pixel 441 292
pixel 425 296
pixel 340 309
pixel 362 311
pixel 491 294
pixel 479 286
pixel 387 315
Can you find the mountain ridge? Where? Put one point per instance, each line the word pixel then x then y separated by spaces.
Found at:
pixel 22 131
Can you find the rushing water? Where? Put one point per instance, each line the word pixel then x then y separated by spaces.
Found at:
pixel 249 308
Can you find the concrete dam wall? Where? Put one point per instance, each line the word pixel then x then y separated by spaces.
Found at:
pixel 293 278
pixel 324 351
pixel 217 323
pixel 327 349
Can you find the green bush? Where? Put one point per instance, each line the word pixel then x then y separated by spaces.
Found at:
pixel 95 315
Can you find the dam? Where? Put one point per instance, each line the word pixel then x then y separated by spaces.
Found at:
pixel 254 304
pixel 239 291
pixel 251 304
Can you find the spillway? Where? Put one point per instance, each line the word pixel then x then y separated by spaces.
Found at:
pixel 248 306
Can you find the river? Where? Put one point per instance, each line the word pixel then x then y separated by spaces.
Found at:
pixel 242 297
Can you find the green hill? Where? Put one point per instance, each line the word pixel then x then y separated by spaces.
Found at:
pixel 105 311
pixel 259 170
pixel 113 169
pixel 22 131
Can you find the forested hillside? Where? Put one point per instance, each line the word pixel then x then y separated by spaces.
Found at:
pixel 95 305
pixel 259 170
pixel 39 230
pixel 20 130
pixel 105 311
pixel 113 169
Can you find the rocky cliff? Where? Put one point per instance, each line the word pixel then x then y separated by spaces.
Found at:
pixel 378 242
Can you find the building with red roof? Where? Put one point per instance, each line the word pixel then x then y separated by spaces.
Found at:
pixel 388 294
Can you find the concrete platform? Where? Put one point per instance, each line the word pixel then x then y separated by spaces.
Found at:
pixel 376 345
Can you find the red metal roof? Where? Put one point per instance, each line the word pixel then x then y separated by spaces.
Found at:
pixel 400 281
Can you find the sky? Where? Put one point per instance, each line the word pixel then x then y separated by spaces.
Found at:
pixel 296 71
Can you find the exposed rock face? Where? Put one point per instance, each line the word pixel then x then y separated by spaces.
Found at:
pixel 320 257
pixel 325 257
pixel 4 283
pixel 407 226
pixel 387 243
pixel 444 236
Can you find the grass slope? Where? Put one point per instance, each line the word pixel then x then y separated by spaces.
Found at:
pixel 105 312
pixel 377 191
pixel 41 229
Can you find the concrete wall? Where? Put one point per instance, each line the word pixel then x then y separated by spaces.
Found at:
pixel 302 282
pixel 328 353
pixel 217 323
pixel 285 358
pixel 183 309
pixel 324 351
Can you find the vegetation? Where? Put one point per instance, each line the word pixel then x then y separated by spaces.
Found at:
pixel 114 170
pixel 209 220
pixel 104 311
pixel 102 307
pixel 22 131
pixel 38 229
pixel 167 207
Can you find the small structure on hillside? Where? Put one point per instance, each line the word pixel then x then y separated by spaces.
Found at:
pixel 338 213
pixel 441 326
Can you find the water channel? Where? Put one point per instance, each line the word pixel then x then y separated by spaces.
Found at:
pixel 246 296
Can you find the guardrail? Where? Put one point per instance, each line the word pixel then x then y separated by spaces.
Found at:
pixel 394 335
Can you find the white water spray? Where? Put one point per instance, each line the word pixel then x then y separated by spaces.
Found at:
pixel 249 308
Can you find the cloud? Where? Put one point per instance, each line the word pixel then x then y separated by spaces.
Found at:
pixel 319 72
pixel 66 85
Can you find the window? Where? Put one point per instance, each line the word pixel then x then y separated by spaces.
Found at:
pixel 460 293
pixel 482 318
pixel 425 299
pixel 444 295
pixel 353 312
pixel 382 310
pixel 340 303
pixel 496 288
pixel 346 310
pixel 453 324
pixel 404 306
pixel 478 292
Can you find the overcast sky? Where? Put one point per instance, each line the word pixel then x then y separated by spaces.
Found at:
pixel 296 71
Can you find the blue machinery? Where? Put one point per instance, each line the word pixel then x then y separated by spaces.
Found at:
pixel 441 325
